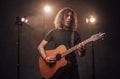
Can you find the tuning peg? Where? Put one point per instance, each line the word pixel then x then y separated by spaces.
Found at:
pixel 103 35
pixel 102 38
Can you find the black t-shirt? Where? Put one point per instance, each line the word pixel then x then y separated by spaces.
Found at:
pixel 63 37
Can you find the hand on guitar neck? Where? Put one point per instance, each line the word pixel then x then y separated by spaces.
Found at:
pixel 81 49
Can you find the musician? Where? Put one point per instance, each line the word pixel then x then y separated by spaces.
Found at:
pixel 65 34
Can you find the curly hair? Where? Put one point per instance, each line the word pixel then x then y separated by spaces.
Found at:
pixel 60 18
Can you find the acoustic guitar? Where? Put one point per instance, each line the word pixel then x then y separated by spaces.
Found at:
pixel 48 70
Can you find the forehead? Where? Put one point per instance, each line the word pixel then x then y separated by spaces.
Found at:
pixel 68 13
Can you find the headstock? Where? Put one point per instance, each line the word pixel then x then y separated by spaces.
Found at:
pixel 97 36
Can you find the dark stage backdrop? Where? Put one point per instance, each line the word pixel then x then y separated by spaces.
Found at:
pixel 106 51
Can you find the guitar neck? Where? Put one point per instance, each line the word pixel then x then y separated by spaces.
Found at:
pixel 75 47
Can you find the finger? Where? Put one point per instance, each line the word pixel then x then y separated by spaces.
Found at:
pixel 79 52
pixel 52 58
pixel 82 44
pixel 83 47
pixel 52 61
pixel 79 46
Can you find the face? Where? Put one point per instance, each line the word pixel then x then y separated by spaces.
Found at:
pixel 68 19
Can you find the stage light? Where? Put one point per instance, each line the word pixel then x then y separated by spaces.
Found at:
pixel 20 20
pixel 47 9
pixel 24 19
pixel 90 19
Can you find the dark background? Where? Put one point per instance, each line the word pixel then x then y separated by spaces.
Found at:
pixel 106 51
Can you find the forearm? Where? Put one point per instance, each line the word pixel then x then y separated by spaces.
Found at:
pixel 41 49
pixel 49 59
pixel 42 52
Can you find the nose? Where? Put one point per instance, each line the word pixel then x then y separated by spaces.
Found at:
pixel 69 17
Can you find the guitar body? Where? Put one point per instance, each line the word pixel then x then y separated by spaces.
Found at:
pixel 48 70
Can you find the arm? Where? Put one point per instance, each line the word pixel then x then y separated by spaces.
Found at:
pixel 41 48
pixel 48 59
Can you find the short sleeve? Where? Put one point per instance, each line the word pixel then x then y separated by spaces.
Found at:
pixel 49 36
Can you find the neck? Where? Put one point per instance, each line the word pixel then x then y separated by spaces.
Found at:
pixel 67 28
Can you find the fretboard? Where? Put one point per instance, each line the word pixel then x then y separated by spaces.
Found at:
pixel 76 47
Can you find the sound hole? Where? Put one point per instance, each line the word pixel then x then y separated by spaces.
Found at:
pixel 58 57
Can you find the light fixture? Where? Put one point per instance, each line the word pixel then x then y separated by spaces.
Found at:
pixel 20 20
